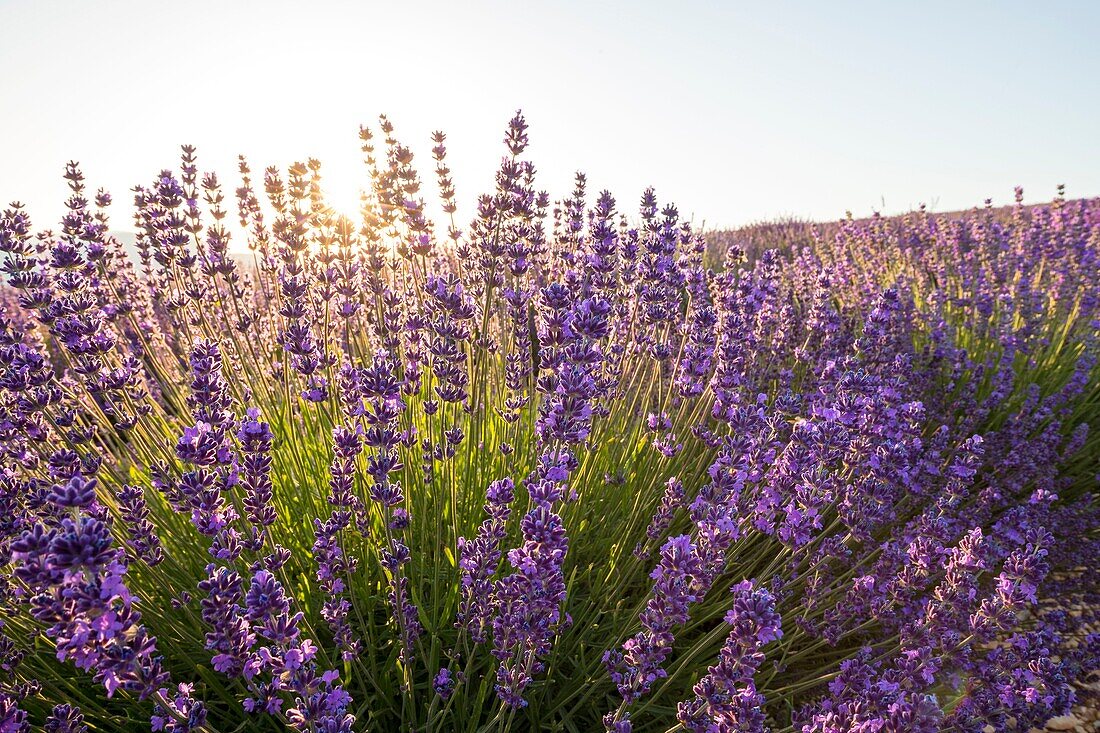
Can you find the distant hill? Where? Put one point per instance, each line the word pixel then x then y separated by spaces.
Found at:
pixel 791 232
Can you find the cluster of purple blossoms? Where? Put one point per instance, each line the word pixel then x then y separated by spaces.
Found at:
pixel 68 562
pixel 479 559
pixel 528 612
pixel 673 499
pixel 334 563
pixel 373 400
pixel 142 539
pixel 676 585
pixel 450 312
pixel 207 448
pixel 862 697
pixel 726 698
pixel 255 440
pixel 178 713
pixel 66 718
pixel 529 601
pixel 291 233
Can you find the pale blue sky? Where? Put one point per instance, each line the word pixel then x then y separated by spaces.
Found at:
pixel 735 111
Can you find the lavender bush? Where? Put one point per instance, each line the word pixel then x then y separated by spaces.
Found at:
pixel 562 468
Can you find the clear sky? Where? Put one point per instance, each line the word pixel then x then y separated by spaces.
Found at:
pixel 736 111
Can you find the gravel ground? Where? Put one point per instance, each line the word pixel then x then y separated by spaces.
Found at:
pixel 1085 716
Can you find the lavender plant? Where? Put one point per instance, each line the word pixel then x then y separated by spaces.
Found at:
pixel 567 468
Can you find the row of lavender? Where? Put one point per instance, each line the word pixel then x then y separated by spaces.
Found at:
pixel 560 469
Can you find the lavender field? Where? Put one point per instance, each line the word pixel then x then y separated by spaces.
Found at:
pixel 566 464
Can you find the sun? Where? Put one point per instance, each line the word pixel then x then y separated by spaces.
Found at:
pixel 343 190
